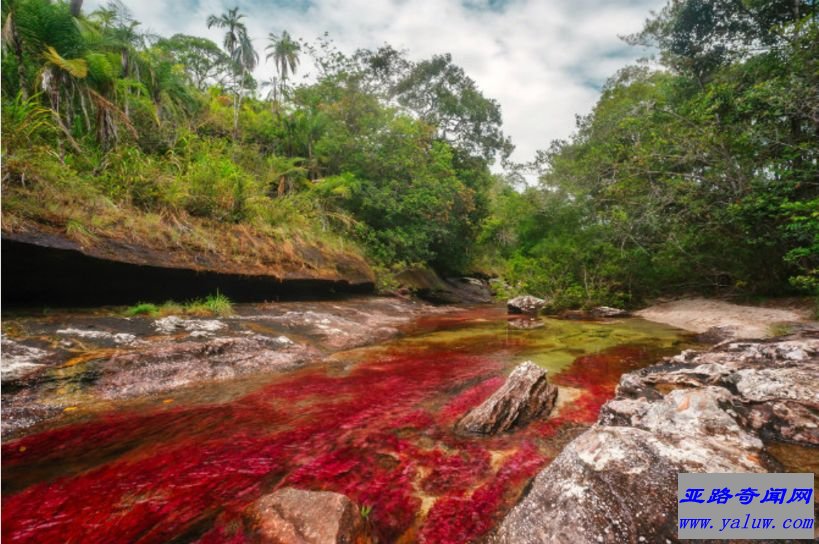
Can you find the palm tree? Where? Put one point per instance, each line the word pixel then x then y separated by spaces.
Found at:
pixel 285 53
pixel 76 8
pixel 240 48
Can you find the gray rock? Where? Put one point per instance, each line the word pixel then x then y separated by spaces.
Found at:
pixel 197 327
pixel 612 484
pixel 716 334
pixel 120 338
pixel 526 395
pixel 295 516
pixel 695 412
pixel 19 360
pixel 169 366
pixel 466 289
pixel 525 304
pixel 772 384
pixel 608 311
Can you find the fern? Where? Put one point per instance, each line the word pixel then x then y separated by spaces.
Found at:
pixel 78 68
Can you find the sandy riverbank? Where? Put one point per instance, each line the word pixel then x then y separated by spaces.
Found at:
pixel 700 314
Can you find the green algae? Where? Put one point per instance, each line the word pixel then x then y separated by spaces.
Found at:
pixel 554 345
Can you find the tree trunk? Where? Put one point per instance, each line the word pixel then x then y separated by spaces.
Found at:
pixel 76 7
pixel 18 54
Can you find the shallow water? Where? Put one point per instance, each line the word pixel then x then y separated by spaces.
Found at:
pixel 373 423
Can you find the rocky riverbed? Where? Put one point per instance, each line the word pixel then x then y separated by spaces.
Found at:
pixel 743 406
pixel 62 365
pixel 196 429
pixel 402 421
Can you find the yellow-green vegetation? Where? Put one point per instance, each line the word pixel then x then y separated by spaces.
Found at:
pixel 554 346
pixel 781 329
pixel 212 305
pixel 170 144
pixel 142 308
pixel 217 304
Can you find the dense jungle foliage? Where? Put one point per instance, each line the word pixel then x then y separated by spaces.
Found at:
pixel 700 175
pixel 695 173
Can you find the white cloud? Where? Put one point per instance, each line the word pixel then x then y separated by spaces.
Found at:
pixel 541 60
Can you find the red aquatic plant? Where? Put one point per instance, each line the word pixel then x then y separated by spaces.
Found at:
pixel 381 433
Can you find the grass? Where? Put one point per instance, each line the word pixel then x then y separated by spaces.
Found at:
pixel 217 304
pixel 142 308
pixel 366 510
pixel 781 329
pixel 212 305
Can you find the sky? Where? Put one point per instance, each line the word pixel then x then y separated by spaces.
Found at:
pixel 545 61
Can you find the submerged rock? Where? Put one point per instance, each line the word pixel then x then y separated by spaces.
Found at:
pixel 526 395
pixel 295 516
pixel 695 412
pixel 608 311
pixel 75 360
pixel 525 304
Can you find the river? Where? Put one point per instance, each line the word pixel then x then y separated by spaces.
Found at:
pixel 180 461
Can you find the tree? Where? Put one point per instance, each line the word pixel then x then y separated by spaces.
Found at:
pixel 442 94
pixel 76 7
pixel 695 37
pixel 285 54
pixel 12 40
pixel 202 60
pixel 688 178
pixel 240 48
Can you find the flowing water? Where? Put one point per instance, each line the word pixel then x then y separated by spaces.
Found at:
pixel 374 423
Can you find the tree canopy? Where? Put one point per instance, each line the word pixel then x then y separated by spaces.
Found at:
pixel 697 175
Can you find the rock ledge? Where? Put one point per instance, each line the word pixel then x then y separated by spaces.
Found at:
pixel 695 412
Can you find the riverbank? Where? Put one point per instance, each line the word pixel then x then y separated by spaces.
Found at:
pixel 744 406
pixel 721 320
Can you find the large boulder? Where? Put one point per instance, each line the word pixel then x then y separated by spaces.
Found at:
pixel 296 516
pixel 470 290
pixel 526 395
pixel 695 412
pixel 525 304
pixel 619 484
pixel 428 285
